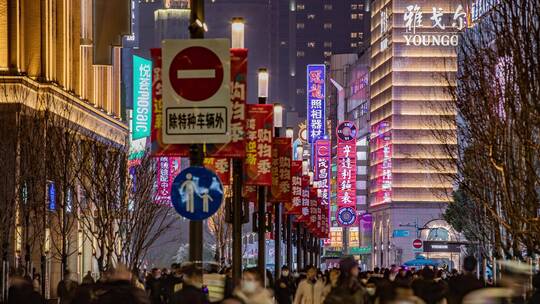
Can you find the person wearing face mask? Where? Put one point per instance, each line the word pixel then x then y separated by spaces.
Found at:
pixel 191 291
pixel 310 290
pixel 284 287
pixel 348 289
pixel 250 290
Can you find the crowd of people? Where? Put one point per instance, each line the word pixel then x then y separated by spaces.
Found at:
pixel 343 285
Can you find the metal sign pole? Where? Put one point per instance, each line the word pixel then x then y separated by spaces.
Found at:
pixel 196 151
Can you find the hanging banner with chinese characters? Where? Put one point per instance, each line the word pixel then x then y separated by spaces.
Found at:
pixel 281 170
pixel 322 170
pixel 249 193
pixel 315 101
pixel 313 206
pixel 440 29
pixel 325 221
pixel 304 214
pixel 296 187
pixel 381 147
pixel 167 169
pixel 236 147
pixel 258 161
pixel 221 166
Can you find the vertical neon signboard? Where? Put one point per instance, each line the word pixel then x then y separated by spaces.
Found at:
pixel 142 97
pixel 346 173
pixel 323 170
pixel 315 101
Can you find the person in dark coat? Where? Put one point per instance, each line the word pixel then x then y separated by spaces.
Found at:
pixel 21 291
pixel 428 289
pixel 191 292
pixel 536 284
pixel 154 286
pixel 173 282
pixel 66 288
pixel 117 289
pixel 284 289
pixel 88 279
pixel 461 285
pixel 348 289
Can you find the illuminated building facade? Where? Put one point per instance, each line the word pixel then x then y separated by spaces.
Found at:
pixel 59 71
pixel 413 61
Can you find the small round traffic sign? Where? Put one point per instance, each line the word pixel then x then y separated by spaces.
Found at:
pixel 197 193
pixel 196 73
pixel 417 244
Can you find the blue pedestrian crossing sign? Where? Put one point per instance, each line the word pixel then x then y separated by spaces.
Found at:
pixel 197 193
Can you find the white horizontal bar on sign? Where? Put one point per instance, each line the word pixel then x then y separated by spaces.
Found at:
pixel 187 74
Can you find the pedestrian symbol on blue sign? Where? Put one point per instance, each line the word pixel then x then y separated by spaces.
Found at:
pixel 197 193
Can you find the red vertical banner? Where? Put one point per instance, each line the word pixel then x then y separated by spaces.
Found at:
pixel 258 161
pixel 236 147
pixel 346 173
pixel 158 148
pixel 221 166
pixel 313 206
pixel 281 170
pixel 296 188
pixel 322 168
pixel 304 213
pixel 249 192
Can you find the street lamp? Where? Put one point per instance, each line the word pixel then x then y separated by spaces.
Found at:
pixel 299 152
pixel 278 117
pixel 261 190
pixel 289 132
pixel 237 33
pixel 263 84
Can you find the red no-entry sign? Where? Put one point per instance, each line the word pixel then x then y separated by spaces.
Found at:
pixel 196 73
pixel 417 244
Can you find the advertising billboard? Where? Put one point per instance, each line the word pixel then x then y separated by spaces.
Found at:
pixel 315 101
pixel 142 97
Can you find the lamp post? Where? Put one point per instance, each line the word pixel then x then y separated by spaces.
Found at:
pixel 278 124
pixel 289 133
pixel 261 191
pixel 237 41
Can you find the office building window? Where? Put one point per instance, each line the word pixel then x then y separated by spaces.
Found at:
pixel 311 44
pixel 327 26
pixel 328 44
pixel 354 16
pixel 328 7
pixel 300 7
pixel 354 7
pixel 300 53
pixel 311 16
pixel 354 35
pixel 327 54
pixel 300 26
pixel 354 44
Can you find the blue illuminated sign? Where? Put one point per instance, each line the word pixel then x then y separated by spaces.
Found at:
pixel 142 97
pixel 51 196
pixel 316 90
